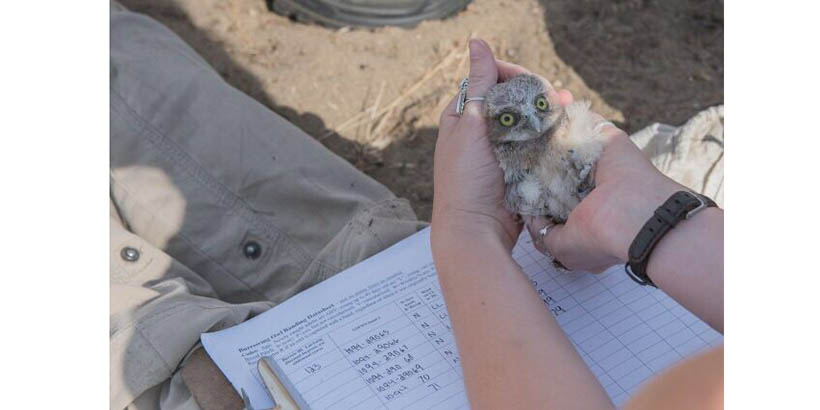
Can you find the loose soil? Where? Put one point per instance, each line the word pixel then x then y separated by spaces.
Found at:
pixel 374 96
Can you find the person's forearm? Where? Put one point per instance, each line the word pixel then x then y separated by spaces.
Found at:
pixel 687 264
pixel 513 352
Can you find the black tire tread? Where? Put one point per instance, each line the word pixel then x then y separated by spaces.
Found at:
pixel 296 12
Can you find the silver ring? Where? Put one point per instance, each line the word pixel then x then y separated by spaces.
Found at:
pixel 545 230
pixel 462 99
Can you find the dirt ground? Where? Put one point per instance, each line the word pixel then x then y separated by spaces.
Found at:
pixel 374 96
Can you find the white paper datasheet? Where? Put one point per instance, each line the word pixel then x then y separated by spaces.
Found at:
pixel 377 336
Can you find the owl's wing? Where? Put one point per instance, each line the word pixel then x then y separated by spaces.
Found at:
pixel 584 135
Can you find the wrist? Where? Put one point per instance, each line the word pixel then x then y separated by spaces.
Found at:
pixel 678 209
pixel 456 239
pixel 641 206
pixel 451 227
pixel 459 234
pixel 690 238
pixel 456 253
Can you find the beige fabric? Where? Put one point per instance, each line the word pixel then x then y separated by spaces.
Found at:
pixel 691 154
pixel 199 170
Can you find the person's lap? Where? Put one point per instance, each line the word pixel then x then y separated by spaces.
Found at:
pixel 231 208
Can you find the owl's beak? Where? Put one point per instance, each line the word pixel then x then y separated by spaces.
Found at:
pixel 534 122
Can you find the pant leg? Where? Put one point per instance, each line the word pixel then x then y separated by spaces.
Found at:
pixel 158 309
pixel 233 208
pixel 201 170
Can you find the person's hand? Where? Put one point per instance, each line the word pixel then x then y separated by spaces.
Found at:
pixel 599 231
pixel 468 182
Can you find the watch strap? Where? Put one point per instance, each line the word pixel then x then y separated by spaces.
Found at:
pixel 681 205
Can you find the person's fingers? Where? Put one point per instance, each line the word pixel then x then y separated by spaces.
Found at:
pixel 547 237
pixel 552 242
pixel 507 70
pixel 563 244
pixel 557 97
pixel 610 130
pixel 607 129
pixel 540 228
pixel 565 97
pixel 483 75
pixel 535 226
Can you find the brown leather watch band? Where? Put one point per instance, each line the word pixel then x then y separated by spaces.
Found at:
pixel 681 205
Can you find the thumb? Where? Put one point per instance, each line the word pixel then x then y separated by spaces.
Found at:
pixel 483 75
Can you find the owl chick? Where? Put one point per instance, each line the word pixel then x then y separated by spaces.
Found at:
pixel 547 151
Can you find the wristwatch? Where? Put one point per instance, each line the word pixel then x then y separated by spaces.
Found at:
pixel 681 205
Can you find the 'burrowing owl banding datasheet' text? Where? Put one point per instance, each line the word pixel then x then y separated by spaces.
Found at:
pixel 378 336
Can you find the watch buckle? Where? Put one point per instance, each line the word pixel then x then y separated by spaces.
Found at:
pixel 633 276
pixel 699 207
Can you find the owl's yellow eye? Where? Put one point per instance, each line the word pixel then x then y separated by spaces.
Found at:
pixel 541 103
pixel 507 119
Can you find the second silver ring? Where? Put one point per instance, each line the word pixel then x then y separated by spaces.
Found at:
pixel 462 96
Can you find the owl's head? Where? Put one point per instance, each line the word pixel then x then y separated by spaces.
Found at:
pixel 520 109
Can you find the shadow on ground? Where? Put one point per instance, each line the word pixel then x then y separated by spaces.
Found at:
pixel 407 179
pixel 635 53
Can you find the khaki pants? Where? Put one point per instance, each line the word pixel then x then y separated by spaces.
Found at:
pixel 220 209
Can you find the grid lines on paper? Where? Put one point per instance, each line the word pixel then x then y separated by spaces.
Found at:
pixel 623 331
